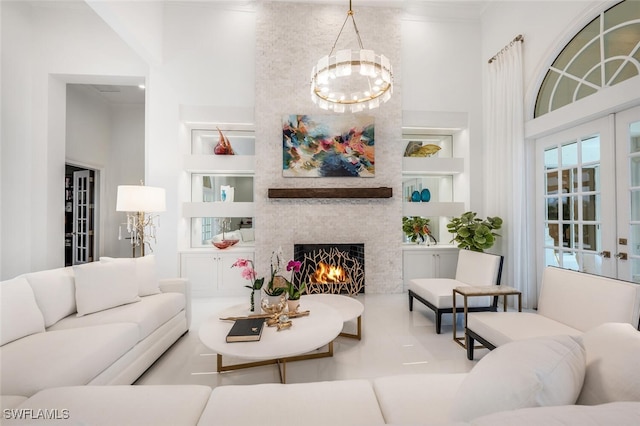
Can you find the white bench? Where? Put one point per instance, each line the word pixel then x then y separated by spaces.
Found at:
pixel 570 303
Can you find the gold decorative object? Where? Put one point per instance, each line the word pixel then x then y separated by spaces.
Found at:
pixel 416 149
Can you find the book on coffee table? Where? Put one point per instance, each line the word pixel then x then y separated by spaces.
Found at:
pixel 246 330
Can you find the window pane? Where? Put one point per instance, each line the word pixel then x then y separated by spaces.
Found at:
pixel 566 181
pixel 564 93
pixel 552 234
pixel 635 205
pixel 590 207
pixel 634 171
pixel 570 154
pixel 552 183
pixel 634 241
pixel 591 149
pixel 551 158
pixel 592 263
pixel 570 261
pixel 590 178
pixel 635 270
pixel 551 257
pixel 552 208
pixel 590 237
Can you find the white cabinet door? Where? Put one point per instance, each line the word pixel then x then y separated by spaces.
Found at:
pixel 428 263
pixel 211 274
pixel 201 270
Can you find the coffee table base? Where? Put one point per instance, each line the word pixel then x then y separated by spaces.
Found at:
pixel 281 362
pixel 357 334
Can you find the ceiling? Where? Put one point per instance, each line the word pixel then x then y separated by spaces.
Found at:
pixel 119 94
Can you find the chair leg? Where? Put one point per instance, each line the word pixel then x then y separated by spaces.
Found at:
pixel 438 322
pixel 469 342
pixel 410 302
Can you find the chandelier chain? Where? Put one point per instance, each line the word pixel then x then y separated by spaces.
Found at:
pixel 355 27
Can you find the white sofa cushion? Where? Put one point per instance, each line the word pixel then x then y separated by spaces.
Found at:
pixel 55 293
pixel 412 399
pixel 343 402
pixel 19 313
pixel 526 373
pixel 145 273
pixel 439 291
pixel 584 301
pixel 122 405
pixel 612 374
pixel 504 327
pixel 64 357
pixel 149 314
pixel 104 285
pixel 618 413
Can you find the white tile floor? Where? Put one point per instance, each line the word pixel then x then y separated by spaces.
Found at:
pixel 395 341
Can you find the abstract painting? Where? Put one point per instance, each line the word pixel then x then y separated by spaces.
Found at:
pixel 328 146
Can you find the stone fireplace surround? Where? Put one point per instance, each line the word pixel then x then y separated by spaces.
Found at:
pixel 285 54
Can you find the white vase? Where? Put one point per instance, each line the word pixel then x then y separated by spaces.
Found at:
pixel 254 307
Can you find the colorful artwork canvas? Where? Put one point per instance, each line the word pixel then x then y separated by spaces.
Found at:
pixel 328 146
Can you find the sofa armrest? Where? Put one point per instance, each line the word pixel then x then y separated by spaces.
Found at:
pixel 179 285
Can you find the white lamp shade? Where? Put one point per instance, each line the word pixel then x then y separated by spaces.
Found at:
pixel 139 198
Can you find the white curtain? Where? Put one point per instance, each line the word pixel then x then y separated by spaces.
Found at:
pixel 505 172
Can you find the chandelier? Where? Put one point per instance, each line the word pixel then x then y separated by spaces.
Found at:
pixel 358 79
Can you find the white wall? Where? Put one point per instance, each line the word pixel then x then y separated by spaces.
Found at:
pixel 209 56
pixel 43 48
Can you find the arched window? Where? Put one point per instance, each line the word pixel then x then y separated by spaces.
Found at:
pixel 605 52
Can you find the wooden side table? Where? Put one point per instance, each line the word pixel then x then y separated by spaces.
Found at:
pixel 472 291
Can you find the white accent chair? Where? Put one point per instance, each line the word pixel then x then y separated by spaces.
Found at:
pixel 473 269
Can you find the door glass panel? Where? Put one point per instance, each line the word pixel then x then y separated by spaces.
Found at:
pixel 635 205
pixel 591 149
pixel 634 170
pixel 552 183
pixel 635 270
pixel 590 207
pixel 591 263
pixel 634 240
pixel 551 257
pixel 552 208
pixel 551 158
pixel 572 227
pixel 570 154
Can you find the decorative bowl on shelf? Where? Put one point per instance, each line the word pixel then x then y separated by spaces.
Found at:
pixel 223 244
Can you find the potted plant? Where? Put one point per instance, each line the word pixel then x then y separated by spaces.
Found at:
pixel 294 295
pixel 417 229
pixel 472 233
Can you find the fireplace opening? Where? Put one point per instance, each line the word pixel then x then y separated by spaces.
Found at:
pixel 331 268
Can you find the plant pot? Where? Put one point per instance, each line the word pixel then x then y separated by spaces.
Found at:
pixel 293 305
pixel 273 304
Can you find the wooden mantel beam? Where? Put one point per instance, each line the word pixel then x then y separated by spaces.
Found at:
pixel 382 192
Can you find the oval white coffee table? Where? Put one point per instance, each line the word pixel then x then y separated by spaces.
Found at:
pixel 307 334
pixel 348 307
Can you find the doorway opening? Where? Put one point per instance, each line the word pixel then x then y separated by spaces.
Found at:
pixel 80 217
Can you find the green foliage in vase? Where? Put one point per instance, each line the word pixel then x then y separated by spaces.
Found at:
pixel 416 228
pixel 473 233
pixel 295 293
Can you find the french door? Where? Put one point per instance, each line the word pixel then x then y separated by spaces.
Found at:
pixel 588 204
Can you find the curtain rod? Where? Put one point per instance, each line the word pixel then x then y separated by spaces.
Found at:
pixel 515 40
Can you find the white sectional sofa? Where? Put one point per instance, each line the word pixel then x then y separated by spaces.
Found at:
pixel 570 303
pixel 101 323
pixel 585 380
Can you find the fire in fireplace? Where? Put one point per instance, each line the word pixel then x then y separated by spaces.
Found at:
pixel 331 268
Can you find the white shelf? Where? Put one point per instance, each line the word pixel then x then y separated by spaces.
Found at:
pixel 227 164
pixel 218 209
pixel 432 165
pixel 432 209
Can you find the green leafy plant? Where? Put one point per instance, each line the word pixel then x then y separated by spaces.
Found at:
pixel 417 229
pixel 293 292
pixel 473 233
